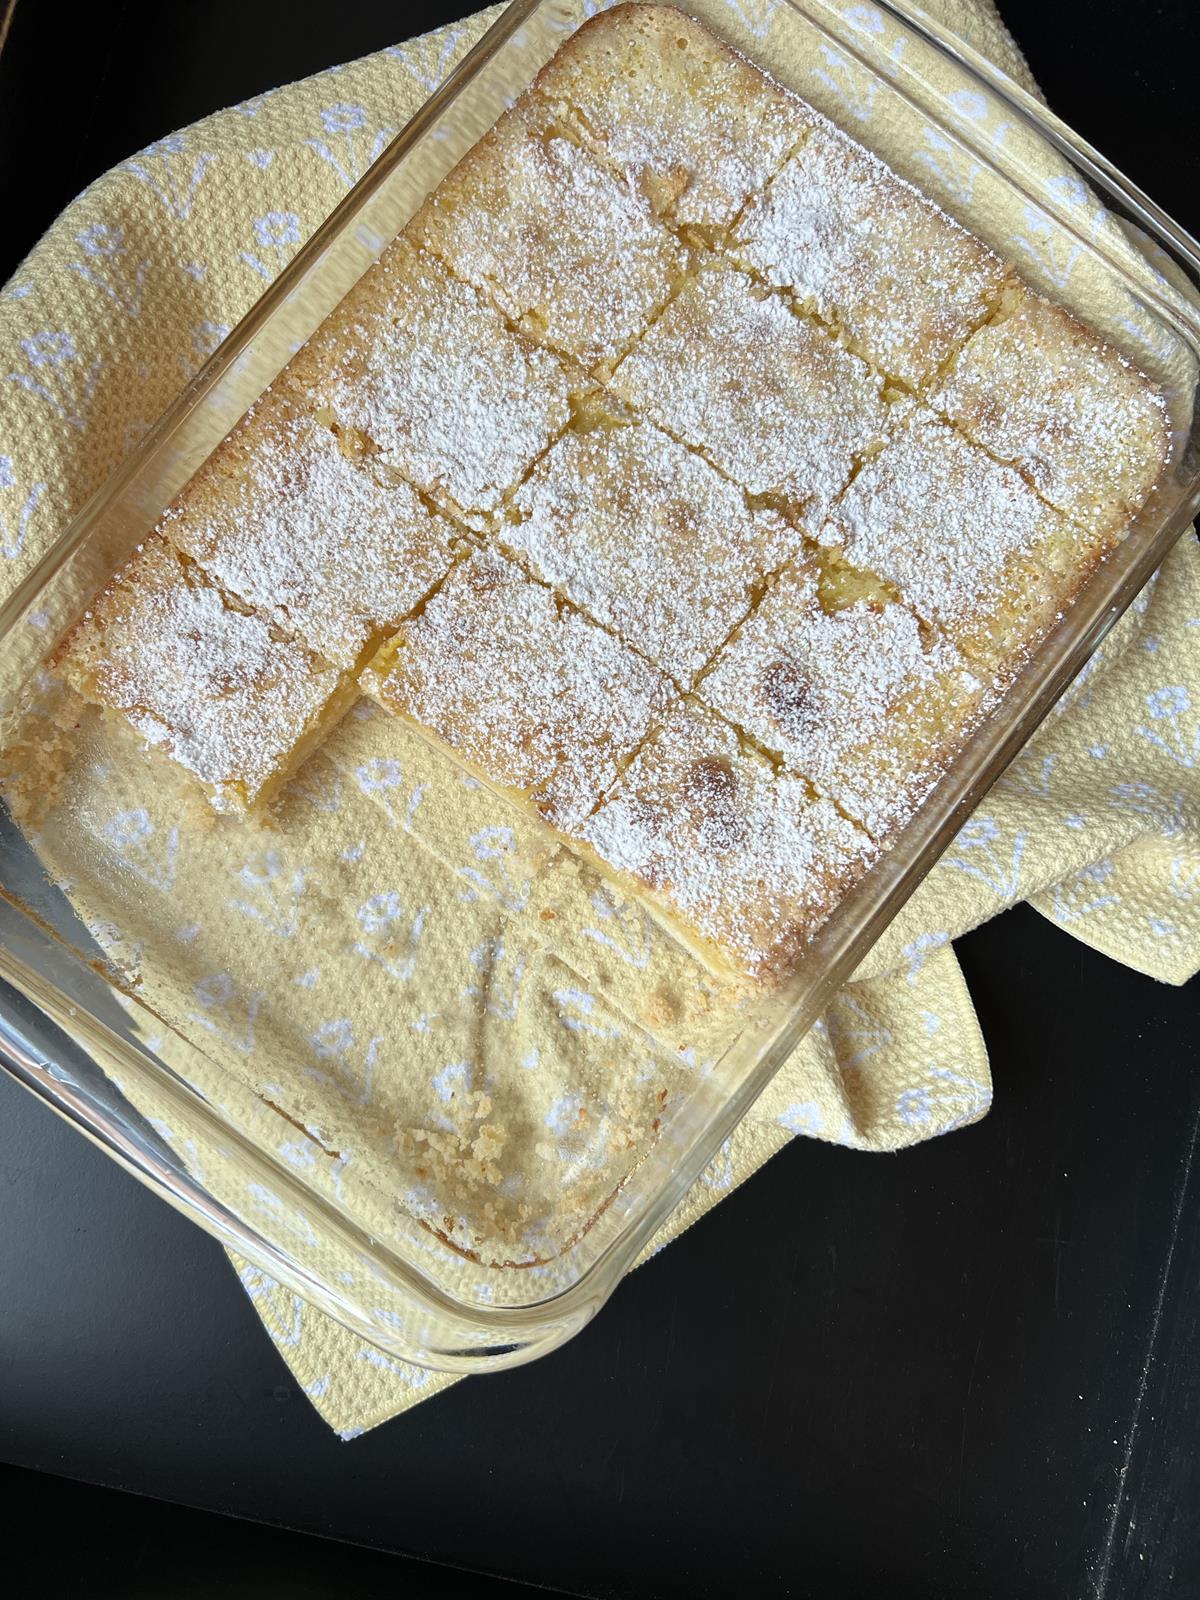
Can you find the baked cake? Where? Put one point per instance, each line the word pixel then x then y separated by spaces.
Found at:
pixel 681 471
pixel 536 222
pixel 851 690
pixel 287 518
pixel 669 107
pixel 869 256
pixel 743 862
pixel 771 399
pixel 426 374
pixel 649 539
pixel 1037 389
pixel 971 548
pixel 208 681
pixel 536 698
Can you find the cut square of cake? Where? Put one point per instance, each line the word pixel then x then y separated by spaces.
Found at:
pixel 282 517
pixel 539 701
pixel 770 398
pixel 1084 427
pixel 692 122
pixel 567 249
pixel 742 863
pixel 870 255
pixel 212 685
pixel 963 540
pixel 852 696
pixel 428 373
pixel 646 537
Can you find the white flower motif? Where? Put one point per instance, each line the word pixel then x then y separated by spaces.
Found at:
pixel 343 118
pixel 912 1106
pixel 128 828
pixel 277 229
pixel 380 911
pixel 380 773
pixel 7 476
pixel 206 336
pixel 1070 189
pixel 978 832
pixel 49 349
pixel 100 240
pixel 170 145
pixel 984 836
pixel 215 991
pixel 563 1116
pixel 1171 700
pixel 452 1080
pixel 970 104
pixel 333 1039
pixel 804 1118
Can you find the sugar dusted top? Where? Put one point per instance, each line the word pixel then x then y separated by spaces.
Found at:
pixel 738 855
pixel 205 681
pixel 770 398
pixel 647 538
pixel 694 124
pixel 535 697
pixel 423 366
pixel 566 248
pixel 852 697
pixel 282 517
pixel 870 254
pixel 1036 388
pixel 962 538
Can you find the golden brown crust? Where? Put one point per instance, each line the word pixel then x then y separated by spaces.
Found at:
pixel 1083 426
pixel 687 119
pixel 206 681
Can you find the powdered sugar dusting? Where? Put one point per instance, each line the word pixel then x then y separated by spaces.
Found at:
pixel 554 237
pixel 647 538
pixel 852 699
pixel 427 369
pixel 210 685
pixel 1038 389
pixel 522 687
pixel 964 539
pixel 284 520
pixel 871 254
pixel 693 122
pixel 739 855
pixel 770 398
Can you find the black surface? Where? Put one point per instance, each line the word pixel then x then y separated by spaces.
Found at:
pixel 973 1370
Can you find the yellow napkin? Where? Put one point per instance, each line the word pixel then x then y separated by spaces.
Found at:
pixel 1097 824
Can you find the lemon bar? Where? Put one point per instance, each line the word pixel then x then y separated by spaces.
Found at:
pixel 1083 426
pixel 645 537
pixel 692 122
pixel 869 254
pixel 571 252
pixel 964 540
pixel 426 372
pixel 850 696
pixel 770 398
pixel 539 701
pixel 282 517
pixel 742 863
pixel 210 684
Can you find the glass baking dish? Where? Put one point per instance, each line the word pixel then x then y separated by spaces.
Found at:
pixel 78 1022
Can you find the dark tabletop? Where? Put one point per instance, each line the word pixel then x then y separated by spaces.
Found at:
pixel 973 1370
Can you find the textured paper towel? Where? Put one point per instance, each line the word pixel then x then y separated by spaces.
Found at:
pixel 1097 824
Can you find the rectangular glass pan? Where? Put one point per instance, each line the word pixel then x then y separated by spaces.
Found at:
pixel 85 1020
